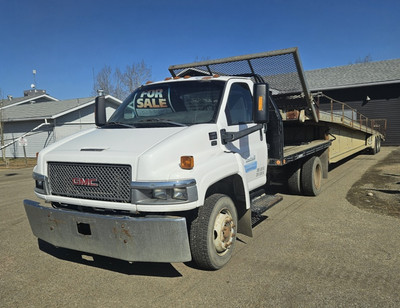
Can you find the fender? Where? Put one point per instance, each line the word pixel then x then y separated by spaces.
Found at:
pixel 231 166
pixel 220 168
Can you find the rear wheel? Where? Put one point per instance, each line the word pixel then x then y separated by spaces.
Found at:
pixel 378 144
pixel 213 232
pixel 294 181
pixel 311 176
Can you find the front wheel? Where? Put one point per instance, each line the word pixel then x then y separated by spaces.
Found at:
pixel 213 232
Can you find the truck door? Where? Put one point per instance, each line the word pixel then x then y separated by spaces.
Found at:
pixel 252 148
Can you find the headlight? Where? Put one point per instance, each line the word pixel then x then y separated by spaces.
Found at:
pixel 40 183
pixel 180 194
pixel 160 194
pixel 164 192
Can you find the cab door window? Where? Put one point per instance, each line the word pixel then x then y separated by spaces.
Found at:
pixel 239 108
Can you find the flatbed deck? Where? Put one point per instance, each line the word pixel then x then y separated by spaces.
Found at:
pixel 294 152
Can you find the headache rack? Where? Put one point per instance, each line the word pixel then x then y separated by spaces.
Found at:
pixel 281 69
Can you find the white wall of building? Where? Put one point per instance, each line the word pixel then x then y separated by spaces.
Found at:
pixel 59 128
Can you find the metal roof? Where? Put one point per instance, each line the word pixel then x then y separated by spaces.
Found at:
pixel 6 103
pixel 48 109
pixel 354 75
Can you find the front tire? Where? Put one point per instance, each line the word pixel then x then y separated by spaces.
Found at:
pixel 213 232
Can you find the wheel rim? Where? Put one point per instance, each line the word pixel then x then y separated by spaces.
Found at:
pixel 317 176
pixel 223 232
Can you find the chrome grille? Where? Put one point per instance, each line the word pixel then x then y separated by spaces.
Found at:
pixel 90 181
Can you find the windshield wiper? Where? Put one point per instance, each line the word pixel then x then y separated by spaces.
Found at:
pixel 120 124
pixel 160 121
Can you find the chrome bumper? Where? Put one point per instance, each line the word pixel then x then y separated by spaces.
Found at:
pixel 149 239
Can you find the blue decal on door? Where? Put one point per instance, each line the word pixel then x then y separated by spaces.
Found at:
pixel 250 167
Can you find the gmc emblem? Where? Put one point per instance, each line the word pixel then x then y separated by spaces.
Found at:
pixel 85 182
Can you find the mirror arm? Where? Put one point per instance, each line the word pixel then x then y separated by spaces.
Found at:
pixel 232 136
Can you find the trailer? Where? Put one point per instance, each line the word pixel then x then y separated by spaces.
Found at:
pixel 177 171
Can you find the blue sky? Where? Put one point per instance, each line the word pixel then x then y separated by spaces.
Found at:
pixel 65 41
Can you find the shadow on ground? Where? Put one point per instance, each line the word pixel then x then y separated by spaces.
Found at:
pixel 115 265
pixel 378 190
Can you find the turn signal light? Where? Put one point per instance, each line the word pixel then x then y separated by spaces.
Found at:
pixel 260 103
pixel 187 162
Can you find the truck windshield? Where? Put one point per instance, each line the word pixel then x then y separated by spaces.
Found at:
pixel 170 104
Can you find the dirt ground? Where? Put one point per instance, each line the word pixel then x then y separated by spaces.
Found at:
pixel 17 163
pixel 378 190
pixel 308 252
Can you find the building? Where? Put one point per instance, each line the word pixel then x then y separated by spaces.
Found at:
pixel 42 121
pixel 30 96
pixel 372 88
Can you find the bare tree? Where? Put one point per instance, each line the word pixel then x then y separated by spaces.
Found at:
pixel 135 75
pixel 121 83
pixel 119 88
pixel 104 81
pixel 366 59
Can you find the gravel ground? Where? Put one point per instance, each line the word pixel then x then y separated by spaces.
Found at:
pixel 378 190
pixel 308 252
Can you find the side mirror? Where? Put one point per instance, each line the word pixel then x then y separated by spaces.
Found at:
pixel 100 111
pixel 261 103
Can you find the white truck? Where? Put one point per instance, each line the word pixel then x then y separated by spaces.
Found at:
pixel 172 175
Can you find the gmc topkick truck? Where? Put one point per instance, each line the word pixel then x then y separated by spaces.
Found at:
pixel 172 175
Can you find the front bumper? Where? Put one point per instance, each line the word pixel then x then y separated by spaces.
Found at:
pixel 149 239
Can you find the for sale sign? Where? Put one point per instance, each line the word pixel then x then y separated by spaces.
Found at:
pixel 152 99
pixel 153 102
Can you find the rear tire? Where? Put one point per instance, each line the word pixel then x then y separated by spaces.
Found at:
pixel 294 182
pixel 213 232
pixel 311 176
pixel 377 146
